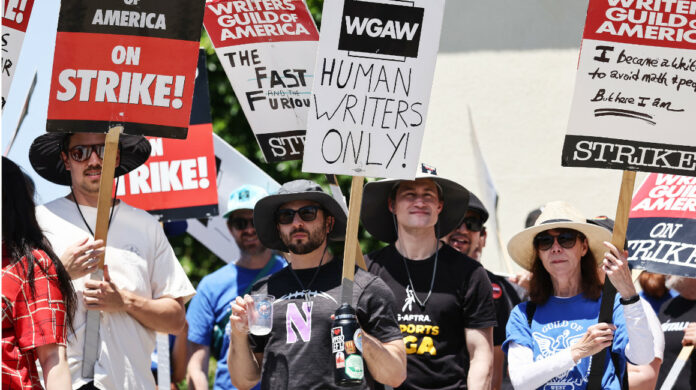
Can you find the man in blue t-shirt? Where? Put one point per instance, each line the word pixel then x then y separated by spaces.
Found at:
pixel 209 312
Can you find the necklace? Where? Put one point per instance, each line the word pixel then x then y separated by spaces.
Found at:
pixel 83 217
pixel 432 280
pixel 305 291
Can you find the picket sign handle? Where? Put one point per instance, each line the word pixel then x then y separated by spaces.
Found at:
pixel 606 310
pixel 351 246
pixel 106 187
pixel 338 196
pixel 677 367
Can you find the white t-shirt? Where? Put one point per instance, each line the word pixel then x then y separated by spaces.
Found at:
pixel 140 260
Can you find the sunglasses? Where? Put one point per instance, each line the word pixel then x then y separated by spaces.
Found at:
pixel 566 239
pixel 473 224
pixel 306 213
pixel 240 223
pixel 81 153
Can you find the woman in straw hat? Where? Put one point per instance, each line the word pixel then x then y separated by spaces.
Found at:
pixel 551 338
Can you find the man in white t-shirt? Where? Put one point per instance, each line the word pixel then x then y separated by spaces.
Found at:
pixel 144 287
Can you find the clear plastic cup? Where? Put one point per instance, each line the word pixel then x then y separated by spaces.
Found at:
pixel 260 317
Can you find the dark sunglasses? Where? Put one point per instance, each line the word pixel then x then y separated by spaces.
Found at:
pixel 81 153
pixel 306 213
pixel 240 223
pixel 566 239
pixel 473 224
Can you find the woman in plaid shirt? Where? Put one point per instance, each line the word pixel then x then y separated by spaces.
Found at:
pixel 38 300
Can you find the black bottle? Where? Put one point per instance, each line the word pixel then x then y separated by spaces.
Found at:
pixel 346 347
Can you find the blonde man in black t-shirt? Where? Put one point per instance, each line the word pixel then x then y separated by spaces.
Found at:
pixel 444 302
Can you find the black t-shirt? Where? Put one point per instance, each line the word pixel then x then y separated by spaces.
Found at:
pixel 434 336
pixel 297 352
pixel 675 315
pixel 504 298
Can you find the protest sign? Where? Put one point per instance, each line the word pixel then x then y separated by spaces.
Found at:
pixel 178 180
pixel 267 49
pixel 374 72
pixel 126 62
pixel 634 105
pixel 15 19
pixel 234 170
pixel 662 226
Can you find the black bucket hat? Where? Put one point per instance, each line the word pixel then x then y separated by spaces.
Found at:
pixel 44 155
pixel 378 220
pixel 476 204
pixel 265 209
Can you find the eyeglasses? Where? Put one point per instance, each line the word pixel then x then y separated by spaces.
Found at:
pixel 81 153
pixel 566 239
pixel 473 224
pixel 240 223
pixel 306 213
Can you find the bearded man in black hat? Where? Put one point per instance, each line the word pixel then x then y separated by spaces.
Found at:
pixel 144 287
pixel 444 299
pixel 297 354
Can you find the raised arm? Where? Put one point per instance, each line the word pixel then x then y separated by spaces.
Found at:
pixel 243 364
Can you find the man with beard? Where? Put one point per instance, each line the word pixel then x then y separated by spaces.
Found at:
pixel 297 354
pixel 209 312
pixel 678 318
pixel 144 287
pixel 444 298
pixel 470 239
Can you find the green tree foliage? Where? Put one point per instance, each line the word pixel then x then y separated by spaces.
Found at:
pixel 230 123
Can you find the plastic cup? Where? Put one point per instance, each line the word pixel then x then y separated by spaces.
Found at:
pixel 260 316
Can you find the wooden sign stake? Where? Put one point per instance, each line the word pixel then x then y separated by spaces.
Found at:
pixel 338 196
pixel 606 310
pixel 351 245
pixel 677 367
pixel 106 187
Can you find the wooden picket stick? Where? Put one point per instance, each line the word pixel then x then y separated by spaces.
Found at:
pixel 338 196
pixel 351 246
pixel 106 187
pixel 606 310
pixel 677 367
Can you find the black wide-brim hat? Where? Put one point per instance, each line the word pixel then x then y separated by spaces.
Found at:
pixel 44 155
pixel 379 221
pixel 265 209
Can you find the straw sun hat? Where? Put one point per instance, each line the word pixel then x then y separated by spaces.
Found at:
pixel 557 215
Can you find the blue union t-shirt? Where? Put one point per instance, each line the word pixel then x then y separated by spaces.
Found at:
pixel 558 324
pixel 212 303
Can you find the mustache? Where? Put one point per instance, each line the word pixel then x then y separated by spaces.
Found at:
pixel 93 168
pixel 299 230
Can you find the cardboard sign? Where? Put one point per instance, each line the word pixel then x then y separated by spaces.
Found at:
pixel 267 49
pixel 178 180
pixel 374 73
pixel 15 19
pixel 234 170
pixel 662 226
pixel 634 106
pixel 128 62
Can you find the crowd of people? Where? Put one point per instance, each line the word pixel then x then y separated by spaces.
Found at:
pixel 431 316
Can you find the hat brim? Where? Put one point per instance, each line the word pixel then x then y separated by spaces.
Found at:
pixel 521 246
pixel 44 156
pixel 379 222
pixel 264 217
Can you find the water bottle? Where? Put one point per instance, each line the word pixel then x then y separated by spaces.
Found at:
pixel 346 347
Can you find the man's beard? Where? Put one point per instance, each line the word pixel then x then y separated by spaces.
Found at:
pixel 250 249
pixel 315 238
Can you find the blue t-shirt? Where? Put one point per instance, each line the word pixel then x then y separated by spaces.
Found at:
pixel 212 303
pixel 559 323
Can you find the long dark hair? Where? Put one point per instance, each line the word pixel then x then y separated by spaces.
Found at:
pixel 541 287
pixel 21 233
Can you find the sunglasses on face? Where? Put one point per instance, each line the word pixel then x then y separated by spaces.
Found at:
pixel 566 239
pixel 81 153
pixel 240 223
pixel 473 224
pixel 306 213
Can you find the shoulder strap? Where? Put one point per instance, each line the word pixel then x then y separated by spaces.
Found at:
pixel 264 271
pixel 531 308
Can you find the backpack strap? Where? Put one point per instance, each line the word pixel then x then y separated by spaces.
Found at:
pixel 531 309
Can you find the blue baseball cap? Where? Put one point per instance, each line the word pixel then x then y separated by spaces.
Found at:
pixel 244 197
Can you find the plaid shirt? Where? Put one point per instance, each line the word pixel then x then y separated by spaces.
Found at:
pixel 28 321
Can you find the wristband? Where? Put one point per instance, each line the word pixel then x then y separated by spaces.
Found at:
pixel 629 300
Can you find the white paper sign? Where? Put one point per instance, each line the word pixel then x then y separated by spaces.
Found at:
pixel 372 84
pixel 235 171
pixel 15 19
pixel 634 105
